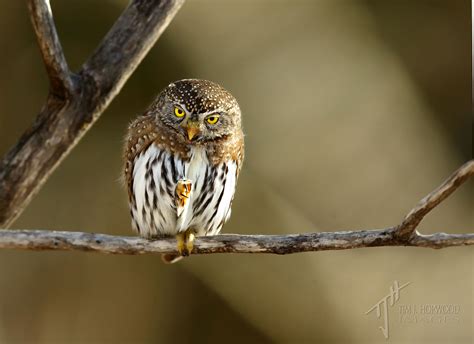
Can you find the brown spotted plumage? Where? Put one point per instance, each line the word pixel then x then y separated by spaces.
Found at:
pixel 182 160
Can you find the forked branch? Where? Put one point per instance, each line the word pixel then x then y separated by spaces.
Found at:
pixel 277 244
pixel 75 100
pixel 414 217
pixel 53 57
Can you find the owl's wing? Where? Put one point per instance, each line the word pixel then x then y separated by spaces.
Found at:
pixel 238 153
pixel 238 156
pixel 240 159
pixel 141 133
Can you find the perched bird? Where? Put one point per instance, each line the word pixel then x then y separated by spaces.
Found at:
pixel 182 160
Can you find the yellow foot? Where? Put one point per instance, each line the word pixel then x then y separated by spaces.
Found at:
pixel 189 240
pixel 181 246
pixel 183 191
pixel 185 242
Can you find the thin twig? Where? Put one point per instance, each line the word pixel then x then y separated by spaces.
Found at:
pixel 62 122
pixel 414 217
pixel 53 57
pixel 276 244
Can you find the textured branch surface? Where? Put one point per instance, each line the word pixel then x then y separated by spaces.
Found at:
pixel 75 101
pixel 50 47
pixel 277 244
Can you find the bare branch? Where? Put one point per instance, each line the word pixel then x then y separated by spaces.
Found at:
pixel 62 122
pixel 414 217
pixel 226 243
pixel 127 43
pixel 277 244
pixel 51 50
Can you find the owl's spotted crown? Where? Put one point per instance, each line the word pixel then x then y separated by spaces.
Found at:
pixel 200 96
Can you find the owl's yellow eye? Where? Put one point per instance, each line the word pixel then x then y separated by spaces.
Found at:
pixel 212 119
pixel 179 112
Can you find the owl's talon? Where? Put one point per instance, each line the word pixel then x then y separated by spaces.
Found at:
pixel 183 188
pixel 181 245
pixel 189 241
pixel 183 192
pixel 185 243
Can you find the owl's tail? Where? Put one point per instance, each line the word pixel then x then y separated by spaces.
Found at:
pixel 169 258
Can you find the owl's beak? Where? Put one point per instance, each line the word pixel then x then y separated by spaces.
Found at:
pixel 192 128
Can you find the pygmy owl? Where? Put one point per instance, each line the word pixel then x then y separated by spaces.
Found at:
pixel 182 160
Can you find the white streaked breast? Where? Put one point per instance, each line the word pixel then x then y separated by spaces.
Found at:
pixel 155 175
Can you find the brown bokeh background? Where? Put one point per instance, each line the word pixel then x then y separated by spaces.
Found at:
pixel 353 111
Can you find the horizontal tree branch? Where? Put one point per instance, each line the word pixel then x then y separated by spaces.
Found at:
pixel 277 244
pixel 226 243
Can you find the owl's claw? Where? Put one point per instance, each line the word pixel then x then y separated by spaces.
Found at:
pixel 189 241
pixel 185 242
pixel 183 192
pixel 180 238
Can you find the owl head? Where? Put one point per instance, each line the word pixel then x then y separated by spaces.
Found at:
pixel 197 110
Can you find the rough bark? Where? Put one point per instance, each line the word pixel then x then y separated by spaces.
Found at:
pixel 75 101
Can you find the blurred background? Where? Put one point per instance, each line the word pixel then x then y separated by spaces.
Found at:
pixel 366 102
